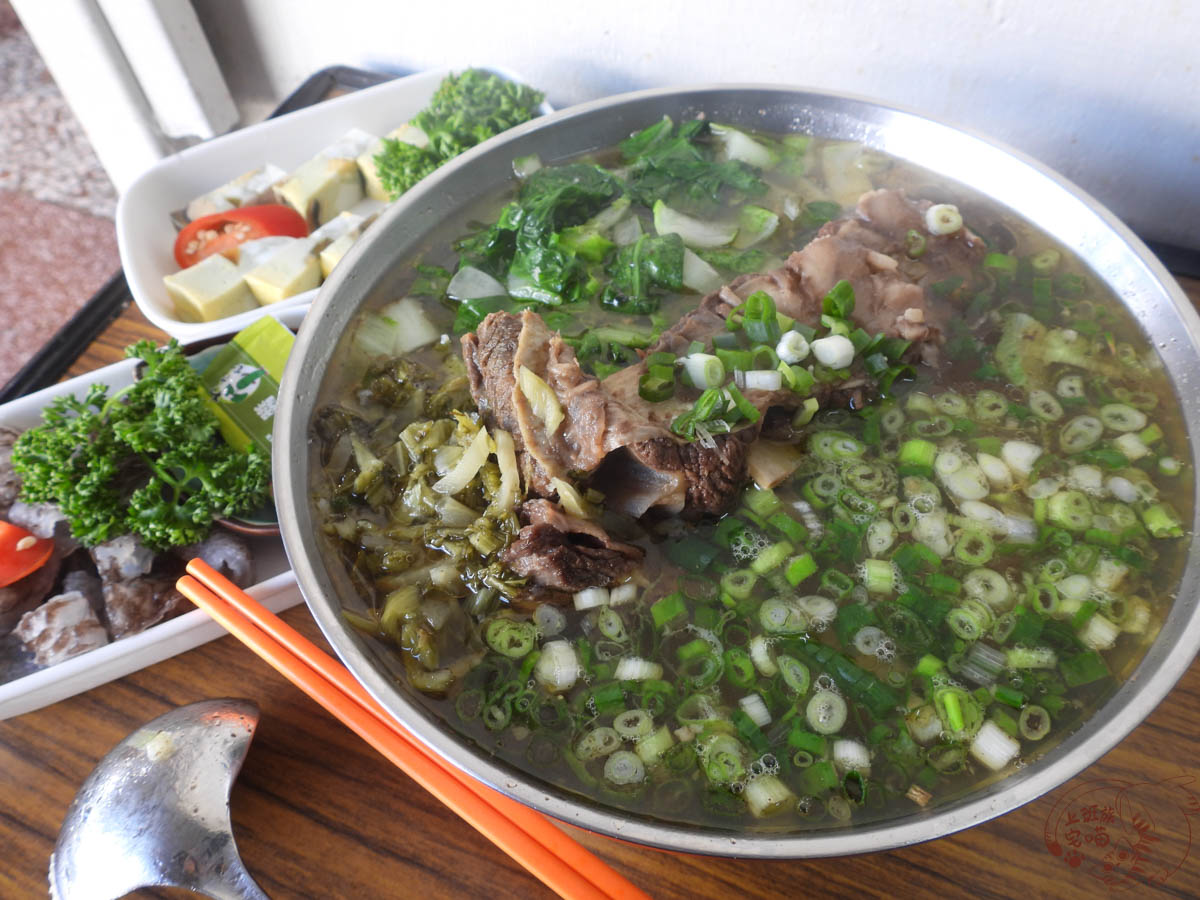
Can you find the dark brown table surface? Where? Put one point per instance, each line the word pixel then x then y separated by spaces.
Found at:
pixel 320 814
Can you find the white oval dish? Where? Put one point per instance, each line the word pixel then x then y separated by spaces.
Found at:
pixel 145 236
pixel 34 688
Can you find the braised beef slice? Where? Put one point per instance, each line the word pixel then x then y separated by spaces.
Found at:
pixel 890 291
pixel 564 553
pixel 494 356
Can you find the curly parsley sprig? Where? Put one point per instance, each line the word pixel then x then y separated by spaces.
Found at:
pixel 149 459
pixel 466 110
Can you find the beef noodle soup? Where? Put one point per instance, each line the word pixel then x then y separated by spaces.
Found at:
pixel 754 480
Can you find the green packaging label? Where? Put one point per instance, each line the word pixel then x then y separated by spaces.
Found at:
pixel 242 382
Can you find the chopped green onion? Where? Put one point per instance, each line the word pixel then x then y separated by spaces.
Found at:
pixel 734 360
pixel 738 584
pixel 990 406
pixel 1080 434
pixel 781 615
pixel 800 568
pixel 705 370
pixel 1031 658
pixel 745 407
pixel 993 747
pixel 668 610
pixel 839 302
pixel 917 455
pixel 511 638
pixel 760 321
pixel 739 667
pixel 792 348
pixel 835 351
pixel 1162 521
pixel 914 244
pixel 654 388
pixel 761 380
pixel 826 712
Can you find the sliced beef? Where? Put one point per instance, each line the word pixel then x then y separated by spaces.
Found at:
pixel 62 627
pixel 565 553
pixel 707 319
pixel 532 596
pixel 890 291
pixel 867 249
pixel 633 483
pixel 495 354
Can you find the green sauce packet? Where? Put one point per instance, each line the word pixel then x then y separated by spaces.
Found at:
pixel 242 382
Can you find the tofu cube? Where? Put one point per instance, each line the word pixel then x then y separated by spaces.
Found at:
pixel 211 289
pixel 349 145
pixel 321 188
pixel 290 271
pixel 332 255
pixel 249 189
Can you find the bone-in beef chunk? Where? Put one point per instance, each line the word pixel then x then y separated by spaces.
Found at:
pixel 122 558
pixel 62 627
pixel 225 552
pixel 133 606
pixel 664 475
pixel 623 445
pixel 565 553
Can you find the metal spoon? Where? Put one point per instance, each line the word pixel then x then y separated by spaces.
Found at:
pixel 155 811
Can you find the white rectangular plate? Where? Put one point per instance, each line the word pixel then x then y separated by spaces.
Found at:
pixel 276 589
pixel 145 234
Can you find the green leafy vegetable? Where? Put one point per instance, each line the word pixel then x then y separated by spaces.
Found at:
pixel 466 110
pixel 740 262
pixel 639 268
pixel 147 460
pixel 526 246
pixel 679 167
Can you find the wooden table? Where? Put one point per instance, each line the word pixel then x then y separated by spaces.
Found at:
pixel 319 814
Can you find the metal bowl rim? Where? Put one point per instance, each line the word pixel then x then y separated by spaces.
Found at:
pixel 1147 685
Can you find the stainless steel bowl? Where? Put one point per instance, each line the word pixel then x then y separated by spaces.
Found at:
pixel 369 275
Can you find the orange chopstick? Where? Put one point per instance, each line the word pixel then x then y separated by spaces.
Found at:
pixel 527 836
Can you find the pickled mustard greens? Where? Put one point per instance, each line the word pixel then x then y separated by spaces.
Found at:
pixel 910 597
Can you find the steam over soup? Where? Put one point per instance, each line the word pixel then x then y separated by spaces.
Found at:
pixel 740 478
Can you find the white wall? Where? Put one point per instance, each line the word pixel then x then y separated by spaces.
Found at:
pixel 1105 91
